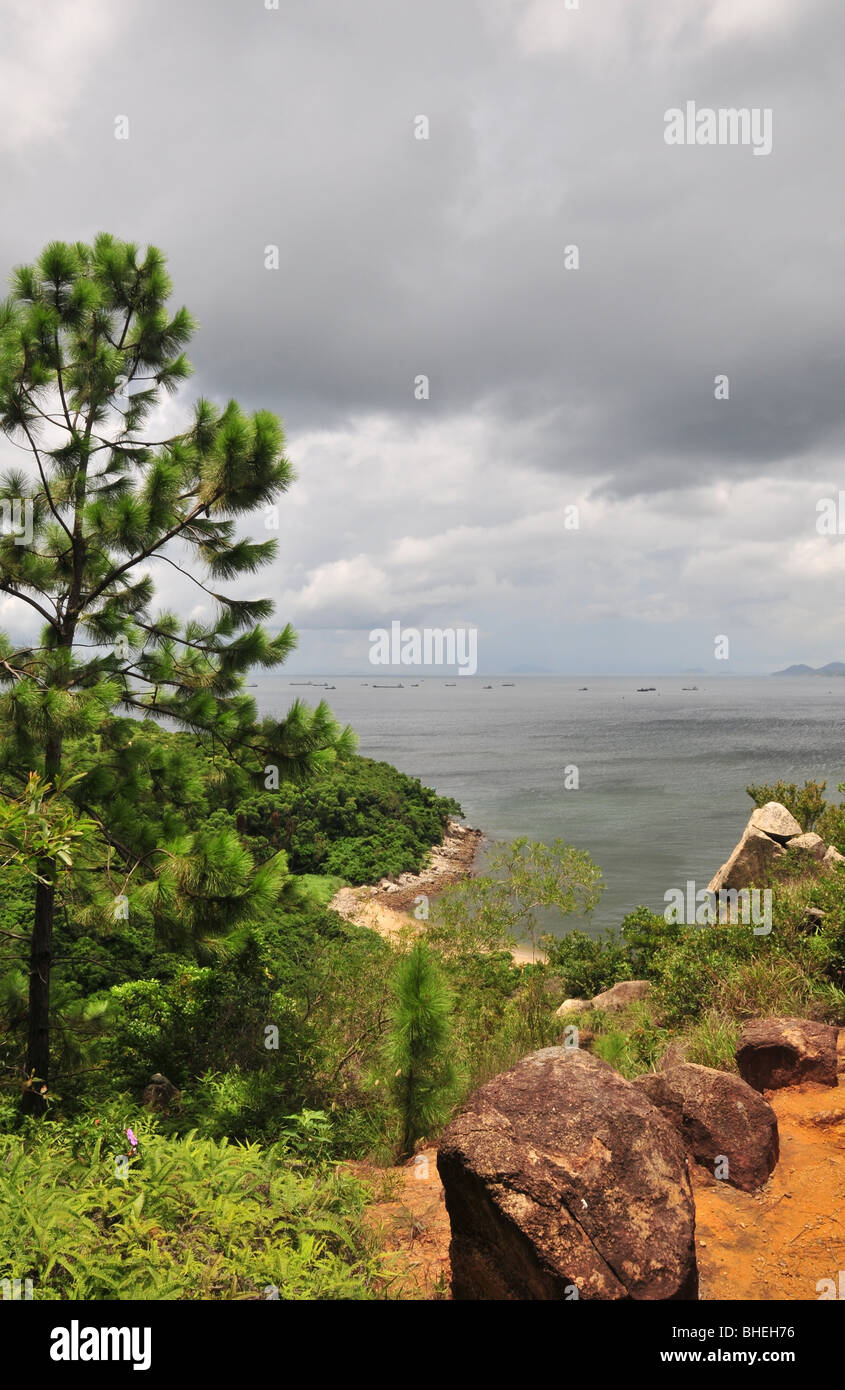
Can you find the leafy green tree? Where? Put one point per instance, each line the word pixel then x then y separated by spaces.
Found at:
pixel 500 908
pixel 35 826
pixel 425 1079
pixel 88 348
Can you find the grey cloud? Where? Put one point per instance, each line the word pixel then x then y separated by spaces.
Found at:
pixel 397 257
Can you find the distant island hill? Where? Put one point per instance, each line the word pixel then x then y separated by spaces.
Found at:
pixel 833 668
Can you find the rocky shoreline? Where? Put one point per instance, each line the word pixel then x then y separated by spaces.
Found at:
pixel 384 905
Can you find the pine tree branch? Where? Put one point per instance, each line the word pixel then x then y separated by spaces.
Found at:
pixel 127 323
pixel 174 637
pixel 5 587
pixel 187 574
pixel 150 550
pixel 47 494
pixel 61 383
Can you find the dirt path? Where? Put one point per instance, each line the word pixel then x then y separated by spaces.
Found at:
pixel 778 1244
pixel 772 1245
pixel 412 1225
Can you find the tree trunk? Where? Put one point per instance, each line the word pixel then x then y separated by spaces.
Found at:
pixel 40 963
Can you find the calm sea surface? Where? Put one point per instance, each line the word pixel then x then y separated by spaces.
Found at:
pixel 662 775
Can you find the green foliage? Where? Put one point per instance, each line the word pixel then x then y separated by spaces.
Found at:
pixel 192 1218
pixel 520 1020
pixel 633 1043
pixel 35 826
pixel 424 1081
pixel 499 909
pixel 612 1048
pixel 712 1041
pixel 645 934
pixel 805 803
pixel 355 819
pixel 691 969
pixel 586 964
pixel 831 825
pixel 502 1011
pixel 741 975
pixel 319 888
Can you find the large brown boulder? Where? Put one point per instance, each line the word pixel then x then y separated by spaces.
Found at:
pixel 750 862
pixel 619 996
pixel 776 1052
pixel 719 1116
pixel 774 819
pixel 563 1181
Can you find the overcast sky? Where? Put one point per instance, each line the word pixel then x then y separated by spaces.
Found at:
pixel 549 387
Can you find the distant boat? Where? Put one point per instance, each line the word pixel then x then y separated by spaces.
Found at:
pixel 449 684
pixel 388 687
pixel 486 687
pixel 415 685
pixel 583 687
pixel 689 687
pixel 644 689
pixel 508 685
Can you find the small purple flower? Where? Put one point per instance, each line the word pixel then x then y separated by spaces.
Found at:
pixel 131 1137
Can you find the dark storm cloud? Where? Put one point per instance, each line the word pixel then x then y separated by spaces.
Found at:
pixel 252 127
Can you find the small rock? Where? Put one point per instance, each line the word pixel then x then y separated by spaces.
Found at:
pixel 161 1094
pixel 572 1006
pixel 812 920
pixel 774 819
pixel 619 996
pixel 810 844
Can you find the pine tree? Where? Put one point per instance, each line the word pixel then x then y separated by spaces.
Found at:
pixel 419 1044
pixel 88 348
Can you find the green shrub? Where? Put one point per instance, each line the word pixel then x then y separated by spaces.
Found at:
pixel 586 964
pixel 712 1040
pixel 645 934
pixel 632 1043
pixel 691 969
pixel 805 803
pixel 831 826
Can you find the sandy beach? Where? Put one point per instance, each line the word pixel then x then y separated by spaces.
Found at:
pixel 387 907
